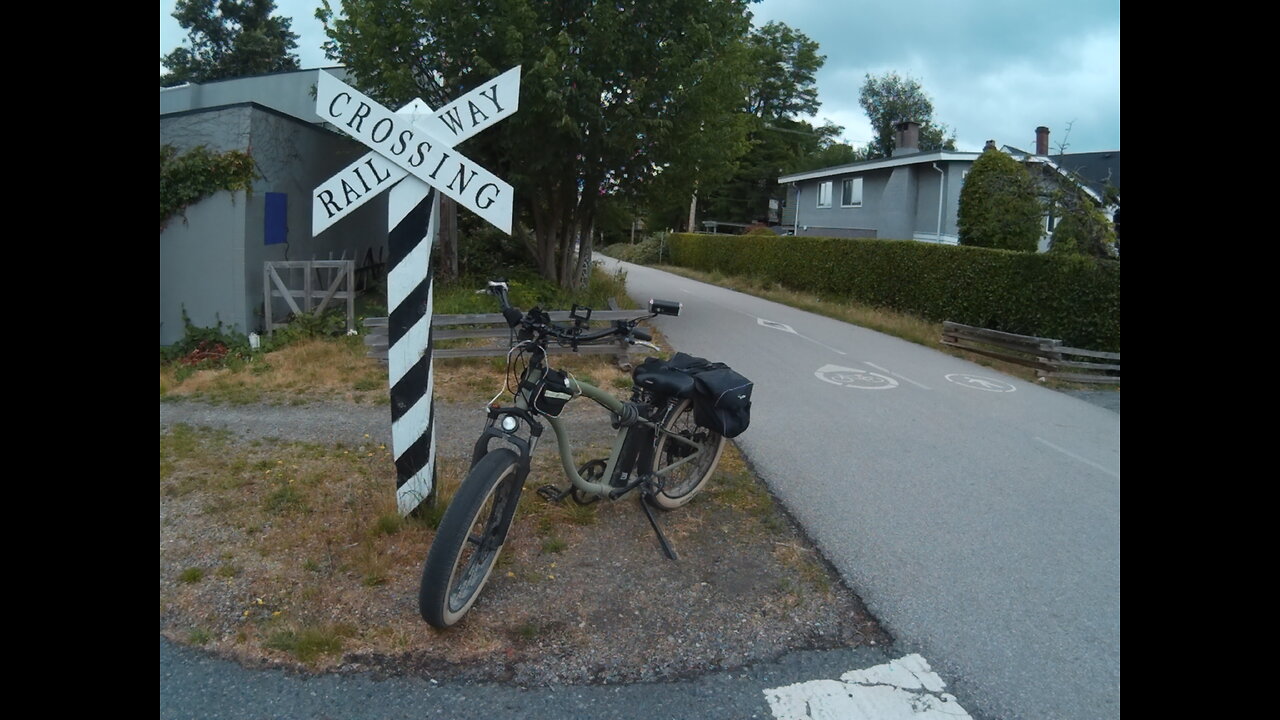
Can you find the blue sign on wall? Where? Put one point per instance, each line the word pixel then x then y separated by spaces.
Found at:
pixel 277 219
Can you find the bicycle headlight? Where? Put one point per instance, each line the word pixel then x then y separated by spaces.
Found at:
pixel 509 424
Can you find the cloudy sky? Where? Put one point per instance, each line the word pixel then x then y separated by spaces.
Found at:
pixel 995 68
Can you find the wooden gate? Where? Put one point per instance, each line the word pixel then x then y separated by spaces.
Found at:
pixel 310 281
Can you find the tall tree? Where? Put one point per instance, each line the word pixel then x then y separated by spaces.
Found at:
pixel 618 98
pixel 229 38
pixel 785 63
pixel 999 205
pixel 889 99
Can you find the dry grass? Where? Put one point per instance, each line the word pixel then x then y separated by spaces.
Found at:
pixel 303 532
pixel 294 552
pixel 322 369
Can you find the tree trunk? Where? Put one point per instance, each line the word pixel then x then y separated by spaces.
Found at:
pixel 448 239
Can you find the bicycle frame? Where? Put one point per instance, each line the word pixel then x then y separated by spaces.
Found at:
pixel 641 463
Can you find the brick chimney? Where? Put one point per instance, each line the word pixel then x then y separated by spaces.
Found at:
pixel 906 138
pixel 991 145
pixel 1042 140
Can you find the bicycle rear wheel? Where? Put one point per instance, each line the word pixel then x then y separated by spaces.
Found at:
pixel 470 538
pixel 684 468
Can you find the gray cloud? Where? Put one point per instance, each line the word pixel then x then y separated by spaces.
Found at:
pixel 995 69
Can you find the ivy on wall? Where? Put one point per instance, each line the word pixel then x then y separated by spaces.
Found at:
pixel 189 177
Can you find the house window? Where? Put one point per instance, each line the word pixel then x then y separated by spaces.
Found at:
pixel 824 194
pixel 851 192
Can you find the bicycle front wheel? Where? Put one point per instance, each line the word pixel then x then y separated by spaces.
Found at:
pixel 686 456
pixel 470 538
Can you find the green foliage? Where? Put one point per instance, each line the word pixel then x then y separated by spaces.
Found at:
pixel 786 65
pixel 649 251
pixel 528 289
pixel 889 99
pixel 229 39
pixel 191 575
pixel 999 205
pixel 785 62
pixel 308 326
pixel 308 644
pixel 623 98
pixel 485 251
pixel 188 178
pixel 205 348
pixel 1082 229
pixel 1073 298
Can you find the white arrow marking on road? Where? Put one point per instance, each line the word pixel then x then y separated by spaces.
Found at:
pixel 977 382
pixel 900 377
pixel 783 327
pixel 777 326
pixel 477 110
pixel 903 689
pixel 423 155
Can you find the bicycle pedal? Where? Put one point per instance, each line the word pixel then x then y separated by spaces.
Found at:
pixel 551 493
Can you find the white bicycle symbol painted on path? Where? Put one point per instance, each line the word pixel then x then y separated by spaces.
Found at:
pixel 855 378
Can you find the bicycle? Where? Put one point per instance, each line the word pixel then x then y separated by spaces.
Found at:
pixel 660 454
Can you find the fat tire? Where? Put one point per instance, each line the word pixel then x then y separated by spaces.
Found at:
pixel 452 578
pixel 681 421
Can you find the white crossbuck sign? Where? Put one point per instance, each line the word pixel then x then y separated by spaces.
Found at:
pixel 418 144
pixel 412 154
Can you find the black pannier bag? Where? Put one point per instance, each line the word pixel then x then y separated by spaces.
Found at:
pixel 722 401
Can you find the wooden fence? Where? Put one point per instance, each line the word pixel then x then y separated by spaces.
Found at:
pixel 1049 357
pixel 321 280
pixel 493 328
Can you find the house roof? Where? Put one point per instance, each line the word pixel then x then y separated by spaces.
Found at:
pixel 929 156
pixel 1092 189
pixel 1096 169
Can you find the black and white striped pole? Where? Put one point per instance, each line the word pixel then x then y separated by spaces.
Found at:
pixel 414 156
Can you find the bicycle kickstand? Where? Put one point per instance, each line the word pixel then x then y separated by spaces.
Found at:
pixel 662 539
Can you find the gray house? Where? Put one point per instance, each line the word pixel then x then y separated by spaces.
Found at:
pixel 916 195
pixel 912 195
pixel 211 260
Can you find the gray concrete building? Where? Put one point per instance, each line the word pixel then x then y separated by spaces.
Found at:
pixel 211 256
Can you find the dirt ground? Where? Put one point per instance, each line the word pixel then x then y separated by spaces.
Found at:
pixel 280 545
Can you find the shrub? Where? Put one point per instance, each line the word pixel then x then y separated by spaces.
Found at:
pixel 1070 297
pixel 1083 230
pixel 999 206
pixel 649 251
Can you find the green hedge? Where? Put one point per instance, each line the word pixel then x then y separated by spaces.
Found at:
pixel 1073 298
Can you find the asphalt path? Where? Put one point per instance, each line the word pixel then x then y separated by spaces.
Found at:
pixel 977 514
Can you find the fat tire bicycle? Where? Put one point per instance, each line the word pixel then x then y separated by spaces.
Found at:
pixel 660 454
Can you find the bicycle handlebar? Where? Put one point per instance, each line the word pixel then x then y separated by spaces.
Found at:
pixel 539 322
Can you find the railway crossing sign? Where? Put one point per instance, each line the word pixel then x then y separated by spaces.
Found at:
pixel 412 154
pixel 409 144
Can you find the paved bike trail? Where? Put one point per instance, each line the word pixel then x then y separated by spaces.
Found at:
pixel 977 514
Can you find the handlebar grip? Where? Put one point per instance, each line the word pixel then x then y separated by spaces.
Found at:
pixel 512 315
pixel 641 335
